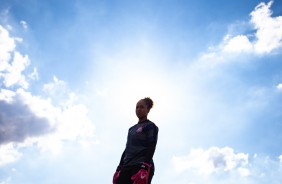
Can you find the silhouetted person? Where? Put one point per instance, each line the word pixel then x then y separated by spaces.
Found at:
pixel 136 164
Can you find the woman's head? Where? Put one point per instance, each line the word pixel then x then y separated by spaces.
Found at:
pixel 143 107
pixel 149 102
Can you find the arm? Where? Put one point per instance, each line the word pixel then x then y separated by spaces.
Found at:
pixel 121 159
pixel 152 142
pixel 116 174
pixel 150 153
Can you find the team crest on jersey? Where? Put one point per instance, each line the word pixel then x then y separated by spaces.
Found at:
pixel 139 129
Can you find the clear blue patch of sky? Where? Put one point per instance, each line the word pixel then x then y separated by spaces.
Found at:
pixel 262 73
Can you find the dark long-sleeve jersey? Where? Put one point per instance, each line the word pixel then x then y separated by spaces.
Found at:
pixel 141 144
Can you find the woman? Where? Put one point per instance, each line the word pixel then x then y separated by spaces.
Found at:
pixel 136 164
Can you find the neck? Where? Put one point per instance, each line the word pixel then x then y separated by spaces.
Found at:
pixel 142 119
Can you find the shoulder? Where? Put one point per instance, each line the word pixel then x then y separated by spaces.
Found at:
pixel 151 125
pixel 132 127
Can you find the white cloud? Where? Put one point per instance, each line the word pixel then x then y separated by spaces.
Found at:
pixel 18 121
pixel 67 123
pixel 244 171
pixel 73 125
pixel 222 165
pixel 7 45
pixel 266 39
pixel 24 24
pixel 212 160
pixel 238 44
pixel 6 95
pixel 8 154
pixel 56 88
pixel 36 120
pixel 34 75
pixel 269 29
pixel 59 123
pixel 14 71
pixel 279 86
pixel 280 159
pixel 12 63
pixel 53 86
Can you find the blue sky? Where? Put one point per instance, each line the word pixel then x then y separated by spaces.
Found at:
pixel 71 73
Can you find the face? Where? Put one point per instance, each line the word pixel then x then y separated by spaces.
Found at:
pixel 141 110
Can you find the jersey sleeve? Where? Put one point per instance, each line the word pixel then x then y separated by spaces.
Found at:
pixel 152 138
pixel 121 159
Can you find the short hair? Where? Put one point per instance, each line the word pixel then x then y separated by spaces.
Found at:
pixel 149 102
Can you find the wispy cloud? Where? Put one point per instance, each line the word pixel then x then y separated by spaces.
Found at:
pixel 24 24
pixel 6 181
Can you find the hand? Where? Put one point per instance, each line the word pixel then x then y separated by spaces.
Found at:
pixel 142 176
pixel 116 175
